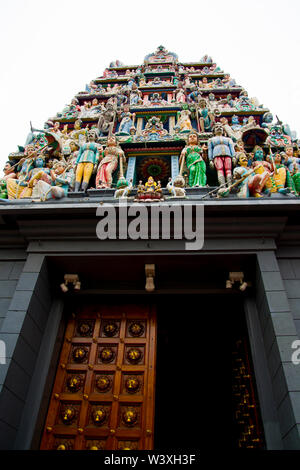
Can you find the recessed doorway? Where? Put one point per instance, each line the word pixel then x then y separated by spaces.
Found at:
pixel 202 397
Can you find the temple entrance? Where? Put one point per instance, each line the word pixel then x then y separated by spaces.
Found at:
pixel 205 388
pixel 176 374
pixel 103 395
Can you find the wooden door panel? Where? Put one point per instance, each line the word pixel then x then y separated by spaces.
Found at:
pixel 103 395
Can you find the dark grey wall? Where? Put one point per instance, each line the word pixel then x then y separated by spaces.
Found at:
pixel 22 331
pixel 32 320
pixel 290 272
pixel 10 270
pixel 279 331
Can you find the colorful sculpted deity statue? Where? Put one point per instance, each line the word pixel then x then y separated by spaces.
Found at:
pixel 184 121
pixel 192 156
pixel 220 153
pixel 39 173
pixel 127 121
pixel 293 164
pixel 9 172
pixel 261 166
pixel 246 181
pixel 156 99
pixel 205 83
pixel 70 111
pixel 252 183
pixel 180 96
pixel 106 120
pixel 79 135
pixel 112 157
pixel 135 96
pixel 267 120
pixel 16 188
pixel 194 96
pixel 151 191
pixel 277 138
pixel 206 117
pixel 84 109
pixel 281 175
pixel 86 162
pixel 214 104
pixel 154 129
pixel 95 109
pixel 234 130
pixel 243 103
pixel 56 186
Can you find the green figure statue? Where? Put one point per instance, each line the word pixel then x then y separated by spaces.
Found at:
pixel 192 154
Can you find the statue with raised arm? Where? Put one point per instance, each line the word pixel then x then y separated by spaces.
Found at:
pixel 106 120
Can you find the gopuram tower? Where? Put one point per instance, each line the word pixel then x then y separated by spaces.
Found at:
pixel 150 268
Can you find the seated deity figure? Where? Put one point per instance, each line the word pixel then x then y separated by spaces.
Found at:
pixel 205 83
pixel 70 111
pixel 56 188
pixel 86 162
pixel 112 156
pixel 15 187
pixel 39 172
pixel 127 121
pixel 184 121
pixel 267 120
pixel 194 96
pixel 220 153
pixel 252 183
pixel 154 129
pixel 95 108
pixel 235 132
pixel 231 131
pixel 192 156
pixel 135 95
pixel 228 102
pixel 276 137
pixel 151 191
pixel 282 177
pixel 279 179
pixel 180 96
pixel 84 109
pixel 213 103
pixel 156 99
pixel 293 165
pixel 244 103
pixel 250 123
pixel 261 166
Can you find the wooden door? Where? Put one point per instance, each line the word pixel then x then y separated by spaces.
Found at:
pixel 103 395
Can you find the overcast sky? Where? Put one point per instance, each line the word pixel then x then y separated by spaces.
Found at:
pixel 51 50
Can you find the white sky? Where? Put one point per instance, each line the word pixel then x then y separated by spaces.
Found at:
pixel 51 49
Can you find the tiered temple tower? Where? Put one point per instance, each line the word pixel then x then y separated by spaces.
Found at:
pixel 151 110
pixel 114 336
